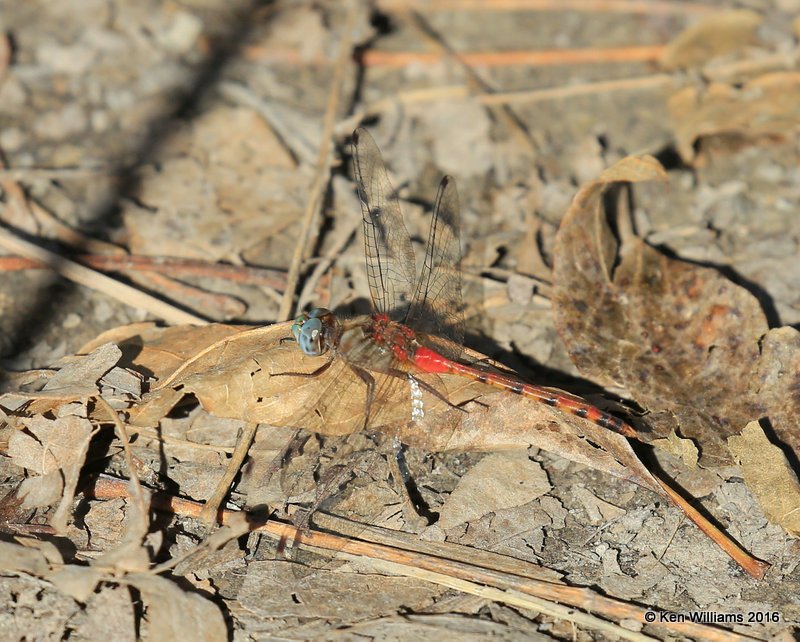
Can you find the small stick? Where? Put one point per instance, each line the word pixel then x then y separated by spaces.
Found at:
pixel 209 513
pixel 530 58
pixel 323 165
pixel 752 566
pixel 164 265
pixel 109 488
pixel 96 281
pixel 646 7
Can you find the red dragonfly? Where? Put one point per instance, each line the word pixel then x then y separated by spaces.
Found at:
pixel 416 321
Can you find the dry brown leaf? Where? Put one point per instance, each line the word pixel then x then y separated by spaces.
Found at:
pixel 55 449
pixel 690 346
pixel 16 558
pixel 108 615
pixel 599 511
pixel 716 35
pixel 769 476
pixel 684 449
pixel 79 582
pixel 88 368
pixel 76 379
pixel 174 614
pixel 764 106
pixel 496 482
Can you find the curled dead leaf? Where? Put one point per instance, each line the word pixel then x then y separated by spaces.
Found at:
pixel 764 106
pixel 690 347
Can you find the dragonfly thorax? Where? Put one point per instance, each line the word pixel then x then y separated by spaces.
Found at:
pixel 393 337
pixel 315 331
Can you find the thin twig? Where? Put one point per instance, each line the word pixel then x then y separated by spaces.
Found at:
pixel 245 438
pixel 330 256
pixel 754 567
pixel 96 281
pixel 570 91
pixel 165 265
pixel 648 7
pixel 323 166
pixel 413 561
pixel 137 493
pixel 61 173
pixel 528 58
pixel 78 273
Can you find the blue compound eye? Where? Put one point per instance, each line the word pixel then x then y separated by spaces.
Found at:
pixel 310 337
pixel 317 313
pixel 298 325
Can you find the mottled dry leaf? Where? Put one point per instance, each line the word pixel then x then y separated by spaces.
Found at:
pixel 599 511
pixel 720 33
pixel 684 449
pixel 690 347
pixel 56 450
pixel 88 368
pixel 75 380
pixel 79 582
pixel 16 558
pixel 496 482
pixel 769 476
pixel 767 105
pixel 174 614
pixel 108 615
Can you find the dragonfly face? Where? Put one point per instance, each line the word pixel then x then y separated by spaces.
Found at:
pixel 311 331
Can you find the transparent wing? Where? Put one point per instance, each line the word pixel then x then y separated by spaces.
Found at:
pixel 436 307
pixel 389 255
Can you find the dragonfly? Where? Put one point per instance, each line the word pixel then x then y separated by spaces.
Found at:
pixel 414 334
pixel 415 331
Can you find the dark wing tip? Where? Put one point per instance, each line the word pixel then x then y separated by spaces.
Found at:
pixel 447 181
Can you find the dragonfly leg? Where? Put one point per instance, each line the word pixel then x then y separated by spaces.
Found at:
pixel 369 380
pixel 316 372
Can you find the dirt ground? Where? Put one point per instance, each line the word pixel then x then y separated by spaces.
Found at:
pixel 198 153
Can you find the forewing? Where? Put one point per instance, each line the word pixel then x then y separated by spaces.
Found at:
pixel 390 258
pixel 436 307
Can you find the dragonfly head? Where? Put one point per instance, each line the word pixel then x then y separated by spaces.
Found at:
pixel 313 331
